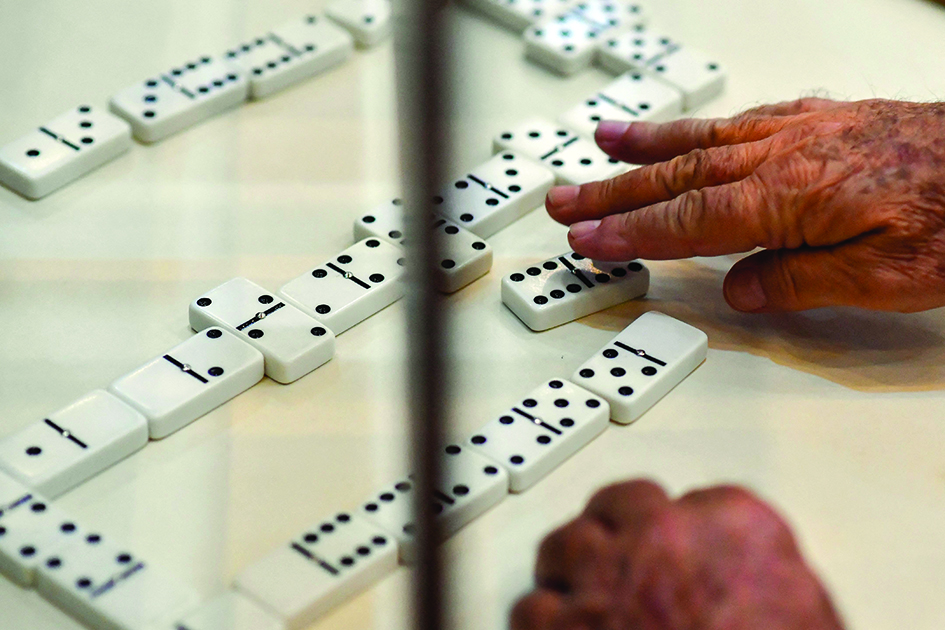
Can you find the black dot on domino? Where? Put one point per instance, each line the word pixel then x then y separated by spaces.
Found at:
pixel 215 371
pixel 516 277
pixel 460 490
pixel 376 278
pixel 319 273
pixel 214 333
pixel 557 294
pixel 452 449
pixel 592 403
pixel 567 423
pixel 635 266
pixel 448 264
pixel 387 497
pixel 550 265
pixel 543 439
pixel 343 518
pixel 492 201
pixel 587 161
pixel 344 259
pixel 533 271
pixel 574 288
pixel 465 217
pixel 402 486
pixel 363 551
pixel 557 163
pixel 618 272
pixel 322 309
pixel 265 299
pixel 461 184
pixel 347 561
pixel 561 403
pixel 310 538
pixel 586 373
pixel 204 302
pixel 33 451
pixel 32 153
pixel 327 528
pixel 517 460
pixel 530 402
pixel 648 370
pixel 318 331
pixel 602 277
pixel 625 391
pixel 27 551
pixel 255 333
pixel 451 229
pixel 478 440
pixel 490 470
pixel 555 384
pixel 610 353
pixel 372 243
pixel 506 420
pixel 479 245
pixel 618 372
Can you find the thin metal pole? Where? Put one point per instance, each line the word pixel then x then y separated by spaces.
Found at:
pixel 420 61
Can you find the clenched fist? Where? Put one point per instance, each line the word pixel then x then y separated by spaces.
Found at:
pixel 847 201
pixel 715 559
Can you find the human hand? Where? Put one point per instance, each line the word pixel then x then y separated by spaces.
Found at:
pixel 847 201
pixel 715 559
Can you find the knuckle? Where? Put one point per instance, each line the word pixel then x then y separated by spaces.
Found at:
pixel 627 491
pixel 531 613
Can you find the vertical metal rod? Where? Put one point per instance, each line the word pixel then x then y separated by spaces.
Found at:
pixel 420 61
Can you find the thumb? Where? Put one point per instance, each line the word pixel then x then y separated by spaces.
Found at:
pixel 772 281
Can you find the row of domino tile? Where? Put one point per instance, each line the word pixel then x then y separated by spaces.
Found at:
pixel 84 138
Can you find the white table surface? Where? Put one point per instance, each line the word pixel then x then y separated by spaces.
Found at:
pixel 835 416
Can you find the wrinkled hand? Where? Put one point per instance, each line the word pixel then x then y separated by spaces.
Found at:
pixel 847 200
pixel 715 559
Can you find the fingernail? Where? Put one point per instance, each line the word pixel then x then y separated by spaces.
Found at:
pixel 583 228
pixel 563 195
pixel 744 291
pixel 609 131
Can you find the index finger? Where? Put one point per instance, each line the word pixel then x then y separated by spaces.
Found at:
pixel 648 143
pixel 706 222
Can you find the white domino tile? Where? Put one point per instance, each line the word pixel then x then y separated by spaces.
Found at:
pixel 465 256
pixel 63 150
pixel 368 21
pixel 229 611
pixel 471 484
pixel 634 49
pixel 291 53
pixel 292 342
pixel 572 158
pixel 73 444
pixel 495 194
pixel 357 283
pixel 172 101
pixel 191 379
pixel 570 286
pixel 700 77
pixel 31 526
pixel 327 564
pixel 642 364
pixel 541 431
pixel 632 97
pixel 517 15
pixel 106 586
